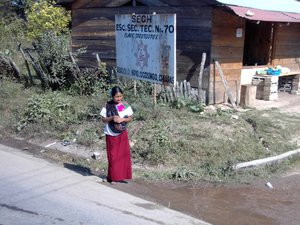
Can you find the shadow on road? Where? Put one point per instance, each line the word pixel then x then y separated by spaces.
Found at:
pixel 82 170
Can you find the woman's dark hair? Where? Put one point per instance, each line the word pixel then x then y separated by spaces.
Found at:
pixel 115 90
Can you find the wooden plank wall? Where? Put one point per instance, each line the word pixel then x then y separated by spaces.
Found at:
pixel 94 28
pixel 287 46
pixel 227 49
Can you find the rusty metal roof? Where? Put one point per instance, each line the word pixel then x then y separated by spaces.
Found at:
pixel 264 15
pixel 292 6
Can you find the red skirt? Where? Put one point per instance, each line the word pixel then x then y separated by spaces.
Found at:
pixel 118 155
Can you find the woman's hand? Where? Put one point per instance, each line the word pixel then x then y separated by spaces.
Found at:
pixel 108 119
pixel 118 119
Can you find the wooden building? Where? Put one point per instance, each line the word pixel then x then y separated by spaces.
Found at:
pixel 238 37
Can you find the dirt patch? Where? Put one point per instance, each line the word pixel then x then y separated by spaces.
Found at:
pixel 286 102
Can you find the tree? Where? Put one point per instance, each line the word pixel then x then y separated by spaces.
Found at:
pixel 43 16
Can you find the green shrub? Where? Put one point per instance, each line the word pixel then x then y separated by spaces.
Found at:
pixel 53 56
pixel 49 110
pixel 43 16
pixel 91 81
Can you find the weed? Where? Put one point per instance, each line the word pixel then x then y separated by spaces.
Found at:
pixel 87 137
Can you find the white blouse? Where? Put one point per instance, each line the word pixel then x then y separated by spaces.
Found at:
pixel 123 111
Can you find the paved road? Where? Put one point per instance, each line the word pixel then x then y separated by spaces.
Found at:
pixel 34 191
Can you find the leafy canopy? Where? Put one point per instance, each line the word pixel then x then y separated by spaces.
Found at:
pixel 44 16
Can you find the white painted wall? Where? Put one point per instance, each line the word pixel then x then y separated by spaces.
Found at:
pixel 247 74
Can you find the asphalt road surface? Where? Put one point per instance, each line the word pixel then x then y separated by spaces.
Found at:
pixel 34 191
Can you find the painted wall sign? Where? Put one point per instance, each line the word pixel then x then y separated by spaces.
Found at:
pixel 146 47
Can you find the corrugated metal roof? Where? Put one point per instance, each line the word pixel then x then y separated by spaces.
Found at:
pixel 263 15
pixel 292 6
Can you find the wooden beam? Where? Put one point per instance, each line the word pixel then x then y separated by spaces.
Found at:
pixel 200 91
pixel 152 2
pixel 116 3
pixel 228 92
pixel 100 3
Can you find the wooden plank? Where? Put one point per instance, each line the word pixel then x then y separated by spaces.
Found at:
pixel 98 3
pixel 117 3
pixel 92 50
pixel 228 51
pixel 88 24
pixel 291 54
pixel 225 42
pixel 228 31
pixel 193 23
pixel 220 16
pixel 94 36
pixel 192 47
pixel 231 75
pixel 201 96
pixel 188 34
pixel 217 93
pixel 227 89
pixel 248 96
pixel 291 47
pixel 232 65
pixel 291 39
pixel 187 2
pixel 184 12
pixel 108 43
pixel 153 3
pixel 288 31
pixel 226 59
pixel 286 60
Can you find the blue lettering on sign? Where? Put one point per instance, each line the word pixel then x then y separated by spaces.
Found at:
pixel 123 70
pixel 132 27
pixel 135 73
pixel 166 79
pixel 141 19
pixel 120 27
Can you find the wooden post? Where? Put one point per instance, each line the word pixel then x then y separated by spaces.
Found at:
pixel 27 65
pixel 185 90
pixel 189 89
pixel 134 88
pixel 248 96
pixel 228 92
pixel 39 72
pixel 73 61
pixel 170 93
pixel 154 95
pixel 177 90
pixel 237 93
pixel 200 92
pixel 181 90
pixel 9 62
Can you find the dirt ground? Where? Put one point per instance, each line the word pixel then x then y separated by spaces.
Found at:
pixel 251 204
pixel 285 103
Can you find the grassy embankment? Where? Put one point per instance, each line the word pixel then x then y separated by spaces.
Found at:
pixel 172 143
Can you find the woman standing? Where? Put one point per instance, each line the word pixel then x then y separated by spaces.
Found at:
pixel 115 116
